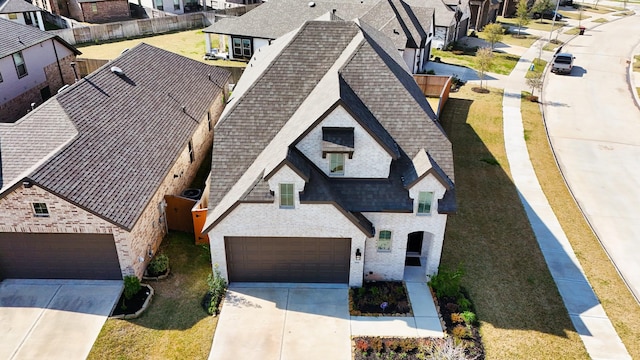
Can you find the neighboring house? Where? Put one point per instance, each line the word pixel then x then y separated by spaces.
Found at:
pixel 483 12
pixel 83 177
pixel 34 65
pixel 451 20
pixel 328 163
pixel 410 27
pixel 21 12
pixel 91 11
pixel 171 6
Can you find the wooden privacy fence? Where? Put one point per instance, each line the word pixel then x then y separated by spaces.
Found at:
pixel 435 86
pixel 87 66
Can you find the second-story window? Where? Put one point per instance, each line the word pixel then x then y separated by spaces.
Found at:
pixel 286 196
pixel 425 198
pixel 18 60
pixel 336 164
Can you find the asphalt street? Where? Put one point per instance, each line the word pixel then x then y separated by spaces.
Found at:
pixel 594 126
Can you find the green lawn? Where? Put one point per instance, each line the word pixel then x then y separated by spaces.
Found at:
pixel 600 9
pixel 502 63
pixel 189 43
pixel 573 14
pixel 523 40
pixel 538 68
pixel 617 301
pixel 601 20
pixel 174 326
pixel 545 25
pixel 636 63
pixel 521 313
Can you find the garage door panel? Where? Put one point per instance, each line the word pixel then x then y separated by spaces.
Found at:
pixel 58 256
pixel 266 259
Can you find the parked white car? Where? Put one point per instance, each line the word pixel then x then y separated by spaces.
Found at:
pixel 562 63
pixel 215 54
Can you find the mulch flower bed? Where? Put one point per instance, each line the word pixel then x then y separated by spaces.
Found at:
pixel 379 298
pixel 131 306
pixel 458 325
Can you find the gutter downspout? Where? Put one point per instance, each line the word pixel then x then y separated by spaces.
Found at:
pixel 57 61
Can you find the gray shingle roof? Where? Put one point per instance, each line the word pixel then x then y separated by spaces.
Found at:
pixel 407 25
pixel 371 80
pixel 444 16
pixel 30 140
pixel 275 18
pixel 16 6
pixel 16 37
pixel 131 129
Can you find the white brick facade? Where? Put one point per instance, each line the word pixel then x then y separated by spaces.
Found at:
pixel 370 160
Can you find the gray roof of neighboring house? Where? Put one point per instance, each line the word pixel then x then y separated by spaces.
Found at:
pixel 131 129
pixel 16 37
pixel 16 6
pixel 407 25
pixel 444 16
pixel 275 18
pixel 362 68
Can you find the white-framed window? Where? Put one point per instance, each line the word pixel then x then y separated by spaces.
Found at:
pixel 336 164
pixel 191 155
pixel 40 210
pixel 242 47
pixel 13 16
pixel 176 4
pixel 384 241
pixel 425 199
pixel 159 5
pixel 210 125
pixel 286 196
pixel 94 8
pixel 18 61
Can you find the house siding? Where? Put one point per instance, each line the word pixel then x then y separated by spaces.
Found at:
pixel 110 10
pixel 17 94
pixel 370 160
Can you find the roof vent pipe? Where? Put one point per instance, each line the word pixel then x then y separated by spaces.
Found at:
pixel 312 4
pixel 184 109
pixel 116 70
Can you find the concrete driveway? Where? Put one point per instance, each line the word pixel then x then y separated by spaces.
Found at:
pixel 288 322
pixel 53 319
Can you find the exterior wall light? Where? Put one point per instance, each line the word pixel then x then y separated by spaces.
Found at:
pixel 358 254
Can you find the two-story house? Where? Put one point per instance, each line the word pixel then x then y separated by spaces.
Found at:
pixel 409 26
pixel 328 164
pixel 22 12
pixel 34 65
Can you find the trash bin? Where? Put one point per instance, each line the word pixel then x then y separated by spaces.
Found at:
pixel 582 28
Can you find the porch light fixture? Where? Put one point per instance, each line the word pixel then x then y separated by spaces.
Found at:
pixel 358 254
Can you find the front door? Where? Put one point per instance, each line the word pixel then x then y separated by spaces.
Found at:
pixel 414 243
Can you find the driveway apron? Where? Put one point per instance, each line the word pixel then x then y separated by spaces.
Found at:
pixel 53 319
pixel 297 322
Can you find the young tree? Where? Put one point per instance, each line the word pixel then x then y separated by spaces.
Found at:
pixel 494 33
pixel 522 14
pixel 535 82
pixel 541 6
pixel 485 58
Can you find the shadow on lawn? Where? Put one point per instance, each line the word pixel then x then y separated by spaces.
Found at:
pixel 506 273
pixel 177 301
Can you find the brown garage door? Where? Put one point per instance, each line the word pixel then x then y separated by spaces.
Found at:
pixel 58 256
pixel 268 259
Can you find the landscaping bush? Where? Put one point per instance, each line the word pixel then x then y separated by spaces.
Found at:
pixel 366 348
pixel 131 286
pixel 158 265
pixel 217 287
pixel 367 300
pixel 446 283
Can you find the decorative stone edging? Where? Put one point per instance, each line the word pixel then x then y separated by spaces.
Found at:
pixel 156 278
pixel 142 309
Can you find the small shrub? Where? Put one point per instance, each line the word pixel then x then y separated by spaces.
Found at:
pixel 461 332
pixel 446 283
pixel 452 307
pixel 376 344
pixel 362 345
pixel 131 286
pixel 448 349
pixel 469 318
pixel 158 265
pixel 407 345
pixel 217 287
pixel 465 304
pixel 431 72
pixel 456 318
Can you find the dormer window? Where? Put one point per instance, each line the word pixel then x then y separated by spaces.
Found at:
pixel 336 164
pixel 425 198
pixel 286 196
